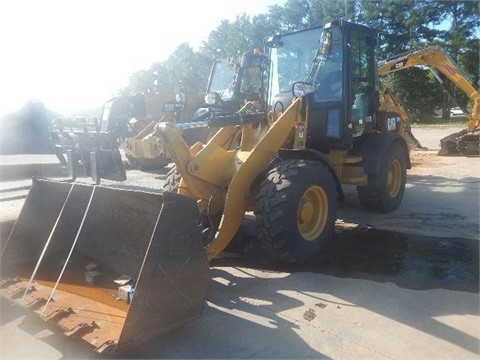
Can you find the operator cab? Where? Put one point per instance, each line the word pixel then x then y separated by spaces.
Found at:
pixel 337 63
pixel 233 82
pixel 345 95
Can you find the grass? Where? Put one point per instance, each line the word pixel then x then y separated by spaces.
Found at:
pixel 452 121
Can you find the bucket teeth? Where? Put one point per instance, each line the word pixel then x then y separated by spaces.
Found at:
pixel 59 314
pixel 19 292
pixel 152 240
pixel 82 329
pixel 37 303
pixel 108 347
pixel 7 282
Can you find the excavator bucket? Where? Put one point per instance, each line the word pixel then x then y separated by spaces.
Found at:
pixel 112 267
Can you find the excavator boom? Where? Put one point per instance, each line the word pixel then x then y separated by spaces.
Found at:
pixel 467 141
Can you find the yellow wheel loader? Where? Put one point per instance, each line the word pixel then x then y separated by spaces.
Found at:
pixel 116 268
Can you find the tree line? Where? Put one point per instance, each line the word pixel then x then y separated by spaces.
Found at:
pixel 402 25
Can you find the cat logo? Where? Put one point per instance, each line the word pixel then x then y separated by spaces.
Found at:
pixel 398 65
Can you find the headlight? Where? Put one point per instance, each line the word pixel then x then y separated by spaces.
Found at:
pixel 180 98
pixel 211 98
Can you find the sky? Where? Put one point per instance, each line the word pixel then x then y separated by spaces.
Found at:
pixel 76 54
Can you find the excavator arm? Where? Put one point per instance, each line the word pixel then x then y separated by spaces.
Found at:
pixel 437 60
pixel 392 103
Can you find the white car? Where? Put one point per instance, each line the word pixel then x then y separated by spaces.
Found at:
pixel 456 111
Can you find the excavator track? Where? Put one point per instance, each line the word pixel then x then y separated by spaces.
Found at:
pixel 469 145
pixel 460 143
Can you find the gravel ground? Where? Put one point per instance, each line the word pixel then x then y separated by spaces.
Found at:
pixel 396 286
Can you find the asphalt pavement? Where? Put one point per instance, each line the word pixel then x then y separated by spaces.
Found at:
pixel 401 286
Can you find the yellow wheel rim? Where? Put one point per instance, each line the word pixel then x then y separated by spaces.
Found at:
pixel 394 178
pixel 312 213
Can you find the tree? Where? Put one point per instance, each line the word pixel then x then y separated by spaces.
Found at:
pixel 460 40
pixel 187 70
pixel 184 71
pixel 140 81
pixel 419 90
pixel 301 14
pixel 234 38
pixel 405 25
pixel 326 11
pixel 402 25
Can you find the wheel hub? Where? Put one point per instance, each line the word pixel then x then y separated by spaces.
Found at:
pixel 312 213
pixel 394 178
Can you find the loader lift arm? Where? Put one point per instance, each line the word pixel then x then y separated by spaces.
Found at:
pixel 437 60
pixel 236 168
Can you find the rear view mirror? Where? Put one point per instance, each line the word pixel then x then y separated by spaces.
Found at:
pixel 325 42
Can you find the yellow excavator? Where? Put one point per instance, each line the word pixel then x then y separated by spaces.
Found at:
pixel 465 142
pixel 116 268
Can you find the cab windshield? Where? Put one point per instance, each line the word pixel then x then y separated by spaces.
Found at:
pixel 222 81
pixel 292 57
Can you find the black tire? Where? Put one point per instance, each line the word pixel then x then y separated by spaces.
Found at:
pixel 385 190
pixel 296 209
pixel 172 181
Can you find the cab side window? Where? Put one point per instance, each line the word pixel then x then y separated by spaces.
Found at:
pixel 362 76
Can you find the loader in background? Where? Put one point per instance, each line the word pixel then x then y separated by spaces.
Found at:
pixel 229 87
pixel 144 152
pixel 284 160
pixel 127 122
pixel 96 145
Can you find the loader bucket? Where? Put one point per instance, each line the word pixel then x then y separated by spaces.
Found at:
pixel 112 267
